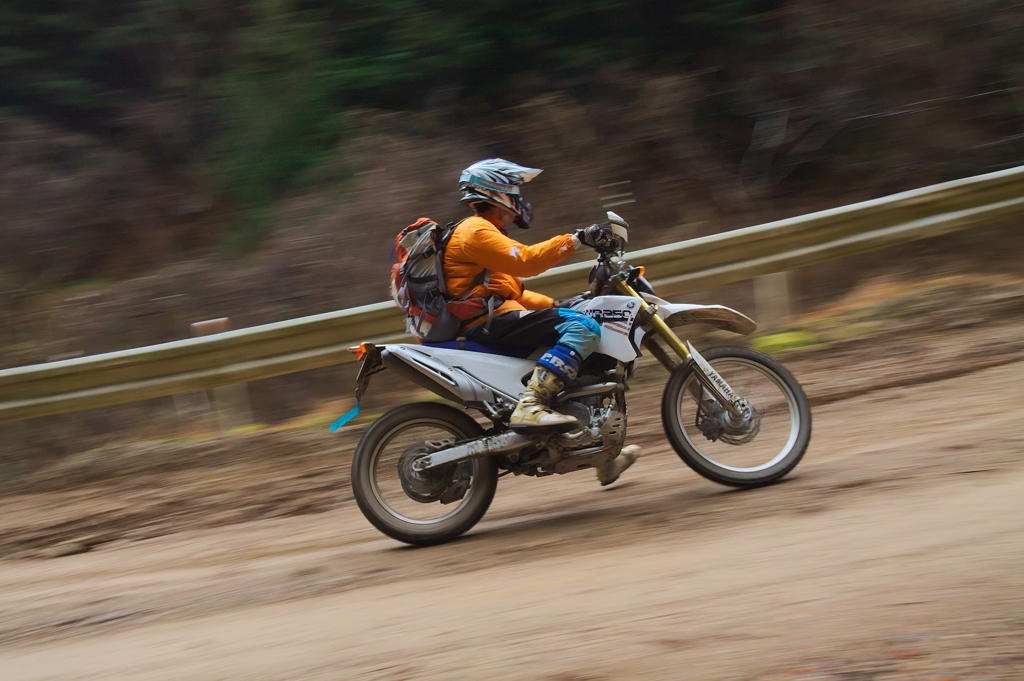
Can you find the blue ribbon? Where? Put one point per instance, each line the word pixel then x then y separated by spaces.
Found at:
pixel 345 419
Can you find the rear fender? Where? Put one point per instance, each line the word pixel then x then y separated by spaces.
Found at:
pixel 440 384
pixel 460 375
pixel 369 365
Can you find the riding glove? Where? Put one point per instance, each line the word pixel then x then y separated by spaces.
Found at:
pixel 596 236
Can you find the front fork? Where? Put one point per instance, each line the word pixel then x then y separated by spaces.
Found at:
pixel 708 377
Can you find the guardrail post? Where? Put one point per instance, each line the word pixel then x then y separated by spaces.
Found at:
pixel 230 402
pixel 771 299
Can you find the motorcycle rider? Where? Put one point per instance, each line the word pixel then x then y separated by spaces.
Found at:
pixel 484 261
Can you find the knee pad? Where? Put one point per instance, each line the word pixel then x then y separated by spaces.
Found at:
pixel 563 362
pixel 578 332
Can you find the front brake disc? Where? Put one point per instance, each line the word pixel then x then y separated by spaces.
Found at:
pixel 743 432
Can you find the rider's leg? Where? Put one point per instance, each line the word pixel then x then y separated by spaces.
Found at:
pixel 574 337
pixel 555 369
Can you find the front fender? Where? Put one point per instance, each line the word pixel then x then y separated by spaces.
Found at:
pixel 719 316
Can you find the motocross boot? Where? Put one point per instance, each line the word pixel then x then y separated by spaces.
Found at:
pixel 533 414
pixel 609 472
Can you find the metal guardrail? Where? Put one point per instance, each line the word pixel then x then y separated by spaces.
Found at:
pixel 322 340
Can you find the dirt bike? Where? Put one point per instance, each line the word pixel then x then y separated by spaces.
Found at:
pixel 426 472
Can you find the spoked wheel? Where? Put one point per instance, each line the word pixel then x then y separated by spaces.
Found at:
pixel 750 454
pixel 426 507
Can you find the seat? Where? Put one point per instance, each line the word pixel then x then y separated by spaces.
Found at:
pixel 472 346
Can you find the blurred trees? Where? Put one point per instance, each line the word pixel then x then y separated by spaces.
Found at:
pixel 253 92
pixel 81 57
pixel 244 97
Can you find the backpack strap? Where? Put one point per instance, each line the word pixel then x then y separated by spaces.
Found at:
pixel 450 230
pixel 490 314
pixel 440 246
pixel 484 278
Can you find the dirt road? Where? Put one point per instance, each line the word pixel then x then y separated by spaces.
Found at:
pixel 893 552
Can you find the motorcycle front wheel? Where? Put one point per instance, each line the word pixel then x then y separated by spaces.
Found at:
pixel 412 509
pixel 760 456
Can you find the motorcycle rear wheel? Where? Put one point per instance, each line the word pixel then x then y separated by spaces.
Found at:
pixel 785 419
pixel 377 487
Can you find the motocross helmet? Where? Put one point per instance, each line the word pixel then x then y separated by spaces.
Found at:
pixel 497 181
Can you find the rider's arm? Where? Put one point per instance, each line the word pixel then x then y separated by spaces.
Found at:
pixel 532 300
pixel 498 253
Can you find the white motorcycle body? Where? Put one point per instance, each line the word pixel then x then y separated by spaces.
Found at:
pixel 475 378
pixel 460 465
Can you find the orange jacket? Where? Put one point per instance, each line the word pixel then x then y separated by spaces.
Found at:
pixel 476 245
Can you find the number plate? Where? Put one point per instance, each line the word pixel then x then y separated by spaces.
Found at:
pixel 727 392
